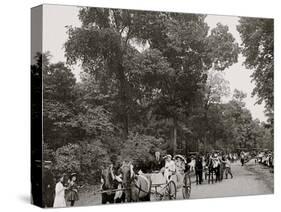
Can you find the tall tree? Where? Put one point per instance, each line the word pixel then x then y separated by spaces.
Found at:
pixel 258 48
pixel 171 69
pixel 58 93
pixel 184 41
pixel 215 89
pixel 103 44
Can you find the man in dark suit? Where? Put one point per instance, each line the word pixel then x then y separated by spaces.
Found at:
pixel 198 169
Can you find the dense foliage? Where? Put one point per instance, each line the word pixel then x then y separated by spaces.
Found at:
pixel 257 37
pixel 150 81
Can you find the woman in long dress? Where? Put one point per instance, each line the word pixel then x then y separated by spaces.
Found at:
pixel 170 167
pixel 180 168
pixel 59 194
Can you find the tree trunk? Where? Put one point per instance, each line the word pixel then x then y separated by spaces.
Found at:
pixel 186 146
pixel 174 136
pixel 124 101
pixel 205 143
pixel 206 126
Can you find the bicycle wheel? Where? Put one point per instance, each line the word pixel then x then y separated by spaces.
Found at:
pixel 186 189
pixel 155 196
pixel 171 191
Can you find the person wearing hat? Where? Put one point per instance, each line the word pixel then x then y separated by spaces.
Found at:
pixel 180 162
pixel 170 167
pixel 72 194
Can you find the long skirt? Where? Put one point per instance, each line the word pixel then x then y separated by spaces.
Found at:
pixel 72 196
pixel 59 201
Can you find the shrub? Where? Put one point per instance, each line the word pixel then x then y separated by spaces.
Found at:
pixel 85 159
pixel 139 149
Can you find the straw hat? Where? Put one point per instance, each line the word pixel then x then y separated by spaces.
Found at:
pixel 181 157
pixel 167 156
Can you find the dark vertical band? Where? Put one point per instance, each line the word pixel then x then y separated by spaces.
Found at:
pixel 36 105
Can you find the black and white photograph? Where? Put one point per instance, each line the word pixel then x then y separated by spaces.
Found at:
pixel 143 105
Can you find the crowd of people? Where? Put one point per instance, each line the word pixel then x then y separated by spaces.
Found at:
pixel 199 164
pixel 65 189
pixel 266 158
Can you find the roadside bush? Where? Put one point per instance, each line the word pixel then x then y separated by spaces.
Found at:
pixel 67 158
pixel 93 157
pixel 139 149
pixel 85 159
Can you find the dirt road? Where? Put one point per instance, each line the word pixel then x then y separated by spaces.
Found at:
pixel 251 179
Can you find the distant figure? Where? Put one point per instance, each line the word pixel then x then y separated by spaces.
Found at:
pixel 222 167
pixel 228 168
pixel 59 194
pixel 242 158
pixel 192 165
pixel 158 163
pixel 214 167
pixel 231 158
pixel 157 156
pixel 205 165
pixel 198 169
pixel 72 194
pixel 235 157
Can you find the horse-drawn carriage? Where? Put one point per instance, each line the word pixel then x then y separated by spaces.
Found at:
pixel 163 190
pixel 144 186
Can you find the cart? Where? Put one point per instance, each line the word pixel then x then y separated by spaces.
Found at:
pixel 162 190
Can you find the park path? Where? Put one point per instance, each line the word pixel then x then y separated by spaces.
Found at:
pixel 251 179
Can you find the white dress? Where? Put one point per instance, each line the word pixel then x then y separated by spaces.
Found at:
pixel 170 167
pixel 59 198
pixel 192 165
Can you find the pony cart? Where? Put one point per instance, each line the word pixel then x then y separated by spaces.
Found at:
pixel 143 187
pixel 178 187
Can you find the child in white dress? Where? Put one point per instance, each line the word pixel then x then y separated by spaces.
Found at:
pixel 59 196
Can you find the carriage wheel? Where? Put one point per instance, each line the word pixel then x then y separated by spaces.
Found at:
pixel 186 190
pixel 156 196
pixel 171 190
